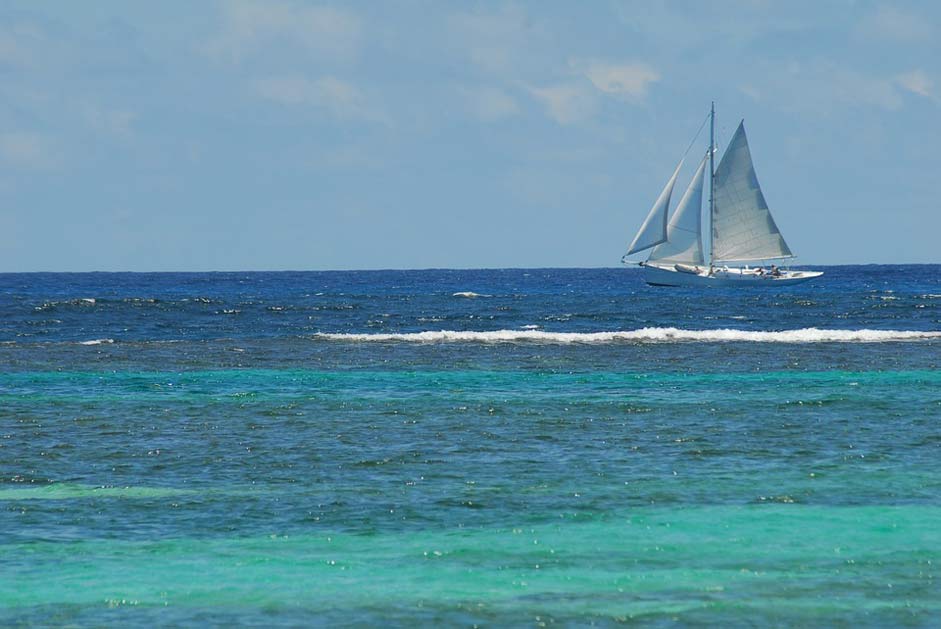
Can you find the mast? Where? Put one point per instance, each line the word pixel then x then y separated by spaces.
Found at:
pixel 712 172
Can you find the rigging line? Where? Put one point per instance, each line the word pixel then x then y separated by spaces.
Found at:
pixel 696 137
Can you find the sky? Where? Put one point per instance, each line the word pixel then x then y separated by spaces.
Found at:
pixel 250 135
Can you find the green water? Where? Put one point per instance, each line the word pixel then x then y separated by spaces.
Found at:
pixel 284 497
pixel 785 562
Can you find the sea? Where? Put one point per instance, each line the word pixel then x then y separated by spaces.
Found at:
pixel 511 447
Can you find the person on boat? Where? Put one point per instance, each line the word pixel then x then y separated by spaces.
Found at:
pixel 775 271
pixel 759 271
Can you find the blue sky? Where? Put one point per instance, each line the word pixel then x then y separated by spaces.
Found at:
pixel 245 135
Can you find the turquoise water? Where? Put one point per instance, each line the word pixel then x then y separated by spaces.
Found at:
pixel 167 460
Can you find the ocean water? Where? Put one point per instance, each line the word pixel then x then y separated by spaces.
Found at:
pixel 496 447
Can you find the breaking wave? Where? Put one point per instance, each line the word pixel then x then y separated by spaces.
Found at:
pixel 644 335
pixel 469 294
pixel 97 342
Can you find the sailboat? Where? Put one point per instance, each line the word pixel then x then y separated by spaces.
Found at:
pixel 742 230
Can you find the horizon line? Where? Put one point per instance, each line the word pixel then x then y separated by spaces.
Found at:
pixel 628 267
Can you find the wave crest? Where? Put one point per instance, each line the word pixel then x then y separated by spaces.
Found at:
pixel 469 294
pixel 643 335
pixel 97 342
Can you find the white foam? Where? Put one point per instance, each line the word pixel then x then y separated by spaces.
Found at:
pixel 644 335
pixel 97 342
pixel 469 294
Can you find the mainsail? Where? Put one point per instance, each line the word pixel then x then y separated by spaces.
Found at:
pixel 684 233
pixel 654 229
pixel 742 226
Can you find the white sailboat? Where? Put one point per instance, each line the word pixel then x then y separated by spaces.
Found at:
pixel 742 231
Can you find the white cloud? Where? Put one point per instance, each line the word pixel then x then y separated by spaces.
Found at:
pixel 27 150
pixel 513 48
pixel 823 88
pixel 750 91
pixel 250 26
pixel 917 82
pixel 339 98
pixel 489 103
pixel 577 100
pixel 626 80
pixel 567 103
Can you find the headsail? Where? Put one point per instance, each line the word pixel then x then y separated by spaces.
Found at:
pixel 684 233
pixel 654 229
pixel 742 226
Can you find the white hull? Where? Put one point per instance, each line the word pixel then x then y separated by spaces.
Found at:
pixel 670 276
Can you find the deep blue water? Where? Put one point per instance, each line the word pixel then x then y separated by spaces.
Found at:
pixel 458 447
